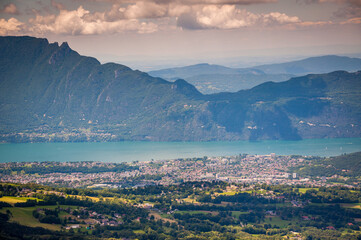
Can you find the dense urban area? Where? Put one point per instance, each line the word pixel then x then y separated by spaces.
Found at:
pixel 269 169
pixel 235 197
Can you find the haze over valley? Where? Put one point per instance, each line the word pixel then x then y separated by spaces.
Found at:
pixel 215 78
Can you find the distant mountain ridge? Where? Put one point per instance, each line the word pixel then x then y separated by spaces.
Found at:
pixel 315 65
pixel 200 69
pixel 51 93
pixel 215 78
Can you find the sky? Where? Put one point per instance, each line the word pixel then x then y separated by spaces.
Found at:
pixel 154 34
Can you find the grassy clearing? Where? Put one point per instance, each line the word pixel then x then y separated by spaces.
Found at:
pixel 336 183
pixel 197 212
pixel 63 215
pixel 236 214
pixel 277 221
pixel 248 191
pixel 351 205
pixel 139 232
pixel 13 200
pixel 164 217
pixel 94 199
pixel 261 191
pixel 190 200
pixel 304 190
pixel 24 216
pixel 344 205
pixel 230 193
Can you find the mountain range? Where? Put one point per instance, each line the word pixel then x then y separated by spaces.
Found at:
pixel 48 92
pixel 215 78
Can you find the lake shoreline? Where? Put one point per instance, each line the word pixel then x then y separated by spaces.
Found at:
pixel 128 151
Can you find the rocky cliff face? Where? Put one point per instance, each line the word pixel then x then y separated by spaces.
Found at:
pixel 51 93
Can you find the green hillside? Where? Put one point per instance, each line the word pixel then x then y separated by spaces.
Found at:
pixel 348 165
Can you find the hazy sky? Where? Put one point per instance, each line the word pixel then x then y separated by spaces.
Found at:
pixel 152 34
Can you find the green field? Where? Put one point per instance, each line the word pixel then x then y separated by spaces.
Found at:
pixel 236 214
pixel 344 205
pixel 190 200
pixel 351 205
pixel 304 190
pixel 13 200
pixel 139 232
pixel 231 193
pixel 197 212
pixel 94 199
pixel 24 216
pixel 277 221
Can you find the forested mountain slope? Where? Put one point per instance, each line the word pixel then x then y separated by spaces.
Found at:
pixel 51 93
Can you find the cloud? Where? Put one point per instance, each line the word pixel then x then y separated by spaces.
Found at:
pixel 311 24
pixel 192 2
pixel 350 2
pixel 224 2
pixel 189 21
pixel 352 21
pixel 57 5
pixel 150 16
pixel 348 12
pixel 224 17
pixel 198 14
pixel 348 9
pixel 276 18
pixel 230 17
pixel 10 9
pixel 10 27
pixel 145 10
pixel 82 22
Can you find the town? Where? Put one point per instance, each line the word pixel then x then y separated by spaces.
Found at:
pixel 230 197
pixel 269 169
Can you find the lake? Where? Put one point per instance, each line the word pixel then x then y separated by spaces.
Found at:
pixel 145 151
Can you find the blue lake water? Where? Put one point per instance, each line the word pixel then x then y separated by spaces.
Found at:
pixel 145 151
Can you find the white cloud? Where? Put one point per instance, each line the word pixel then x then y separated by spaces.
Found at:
pixel 193 2
pixel 149 16
pixel 10 27
pixel 278 18
pixel 82 22
pixel 10 8
pixel 145 10
pixel 230 17
pixel 224 17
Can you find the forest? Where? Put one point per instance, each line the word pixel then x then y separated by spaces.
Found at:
pixel 190 210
